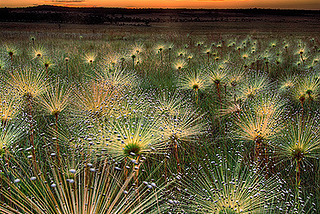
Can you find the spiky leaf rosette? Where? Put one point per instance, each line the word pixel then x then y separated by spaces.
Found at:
pixel 93 99
pixel 260 119
pixel 38 52
pixel 299 141
pixel 218 76
pixel 117 79
pixel 307 89
pixel 193 80
pixel 9 104
pixel 132 137
pixel 170 104
pixel 253 85
pixel 96 187
pixel 10 134
pixel 28 83
pixel 89 58
pixel 179 64
pixel 56 98
pixel 218 187
pixel 11 50
pixel 287 83
pixel 183 126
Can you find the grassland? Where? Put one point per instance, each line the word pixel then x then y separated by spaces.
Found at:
pixel 208 117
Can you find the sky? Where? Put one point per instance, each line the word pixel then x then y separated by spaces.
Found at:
pixel 210 4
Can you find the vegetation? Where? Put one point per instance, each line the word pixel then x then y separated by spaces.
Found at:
pixel 159 122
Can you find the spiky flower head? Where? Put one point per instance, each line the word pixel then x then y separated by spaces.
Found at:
pixel 90 58
pixel 159 48
pixel 218 76
pixel 307 89
pixel 183 126
pixel 181 52
pixel 287 83
pixel 253 84
pixel 137 49
pixel 260 120
pixel 193 80
pixel 235 78
pixel 316 60
pixel 278 60
pixel 179 64
pixel 245 55
pixel 169 46
pixel 301 51
pixel 46 62
pixel 56 98
pixel 38 52
pixel 132 137
pixel 273 44
pixel 112 60
pixel 27 82
pixel 199 43
pixel 11 50
pixel 170 104
pixel 208 51
pixel 300 140
pixel 189 56
pixel 92 99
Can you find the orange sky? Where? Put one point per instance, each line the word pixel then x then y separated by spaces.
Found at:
pixel 282 4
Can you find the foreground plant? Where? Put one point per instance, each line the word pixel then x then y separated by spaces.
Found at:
pixel 10 135
pixel 54 101
pixel 193 80
pixel 299 142
pixel 307 90
pixel 260 122
pixel 12 51
pixel 223 186
pixel 96 187
pixel 89 58
pixel 29 85
pixel 92 99
pixel 118 80
pixel 180 128
pixel 132 137
pixel 9 105
pixel 218 77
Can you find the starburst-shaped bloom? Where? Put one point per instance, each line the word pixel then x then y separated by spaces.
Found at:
pixel 38 52
pixel 89 58
pixel 28 83
pixel 56 98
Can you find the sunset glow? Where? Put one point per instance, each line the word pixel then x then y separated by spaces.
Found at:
pixel 210 4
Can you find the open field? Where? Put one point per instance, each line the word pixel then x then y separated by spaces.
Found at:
pixel 170 117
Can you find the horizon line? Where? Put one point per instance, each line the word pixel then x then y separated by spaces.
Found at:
pixel 170 8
